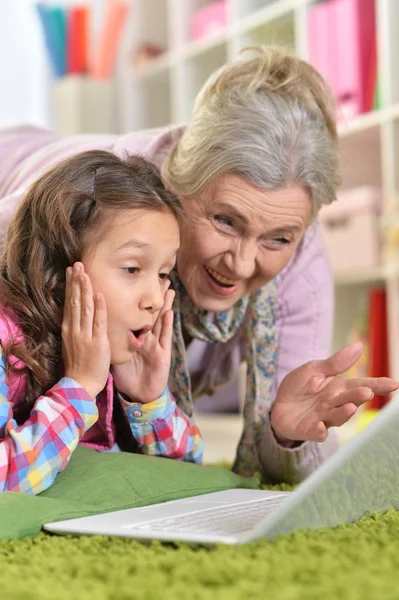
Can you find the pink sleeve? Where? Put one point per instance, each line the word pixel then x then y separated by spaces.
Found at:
pixel 28 152
pixel 8 206
pixel 153 144
pixel 305 307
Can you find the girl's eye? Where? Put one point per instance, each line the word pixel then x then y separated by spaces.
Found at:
pixel 163 276
pixel 225 221
pixel 131 270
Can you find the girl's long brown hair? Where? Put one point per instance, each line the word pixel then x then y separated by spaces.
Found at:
pixel 46 236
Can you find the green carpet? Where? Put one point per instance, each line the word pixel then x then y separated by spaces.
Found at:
pixel 348 562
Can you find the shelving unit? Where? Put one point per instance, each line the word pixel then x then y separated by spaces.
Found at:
pixel 178 74
pixel 163 90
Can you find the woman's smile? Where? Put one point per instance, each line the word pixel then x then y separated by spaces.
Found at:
pixel 220 284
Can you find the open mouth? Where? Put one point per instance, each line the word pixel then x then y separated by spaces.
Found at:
pixel 137 336
pixel 221 279
pixel 138 333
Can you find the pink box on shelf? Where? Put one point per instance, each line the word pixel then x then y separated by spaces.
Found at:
pixel 350 229
pixel 342 46
pixel 321 29
pixel 209 19
pixel 355 47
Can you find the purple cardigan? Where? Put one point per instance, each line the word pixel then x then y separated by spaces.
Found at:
pixel 304 287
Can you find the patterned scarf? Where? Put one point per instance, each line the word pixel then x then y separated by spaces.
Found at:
pixel 257 314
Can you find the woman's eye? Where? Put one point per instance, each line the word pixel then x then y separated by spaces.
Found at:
pixel 226 221
pixel 163 276
pixel 131 270
pixel 282 240
pixel 276 243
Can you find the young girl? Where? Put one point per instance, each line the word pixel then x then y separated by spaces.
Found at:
pixel 86 320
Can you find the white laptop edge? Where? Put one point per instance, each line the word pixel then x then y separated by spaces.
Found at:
pixel 303 508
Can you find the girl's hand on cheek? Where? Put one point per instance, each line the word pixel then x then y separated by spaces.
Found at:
pixel 85 346
pixel 145 377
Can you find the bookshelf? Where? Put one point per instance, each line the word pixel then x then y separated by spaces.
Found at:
pixel 162 91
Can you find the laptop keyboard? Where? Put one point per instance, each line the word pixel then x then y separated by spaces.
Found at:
pixel 224 520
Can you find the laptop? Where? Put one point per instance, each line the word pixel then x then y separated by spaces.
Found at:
pixel 360 479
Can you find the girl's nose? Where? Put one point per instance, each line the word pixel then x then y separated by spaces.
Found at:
pixel 152 297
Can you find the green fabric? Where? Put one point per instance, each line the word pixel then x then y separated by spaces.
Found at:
pixel 95 482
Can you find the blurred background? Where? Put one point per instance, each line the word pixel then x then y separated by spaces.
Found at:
pixel 94 66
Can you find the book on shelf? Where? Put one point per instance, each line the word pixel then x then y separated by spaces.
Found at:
pixel 371 328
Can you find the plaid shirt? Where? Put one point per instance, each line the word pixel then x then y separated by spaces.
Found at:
pixel 32 454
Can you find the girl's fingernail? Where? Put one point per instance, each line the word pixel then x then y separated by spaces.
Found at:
pixel 76 268
pixel 83 280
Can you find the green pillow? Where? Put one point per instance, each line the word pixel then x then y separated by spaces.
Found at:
pixel 95 482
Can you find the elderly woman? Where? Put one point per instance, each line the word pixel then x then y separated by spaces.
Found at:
pixel 252 169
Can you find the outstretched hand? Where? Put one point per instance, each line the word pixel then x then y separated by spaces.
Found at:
pixel 145 376
pixel 314 397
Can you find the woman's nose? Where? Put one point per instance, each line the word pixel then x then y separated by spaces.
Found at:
pixel 241 260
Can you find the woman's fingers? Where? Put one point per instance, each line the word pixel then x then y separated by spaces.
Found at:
pixel 356 391
pixel 338 408
pixel 339 362
pixel 314 432
pixel 334 398
pixel 379 385
pixel 340 391
pixel 339 416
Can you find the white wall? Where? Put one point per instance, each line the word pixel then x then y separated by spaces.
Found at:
pixel 24 73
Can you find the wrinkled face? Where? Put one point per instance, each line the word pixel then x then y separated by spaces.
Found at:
pixel 129 265
pixel 237 238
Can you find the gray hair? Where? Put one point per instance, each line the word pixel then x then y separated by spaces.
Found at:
pixel 270 120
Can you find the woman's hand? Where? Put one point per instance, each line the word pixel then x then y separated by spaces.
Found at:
pixel 85 346
pixel 145 377
pixel 313 398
